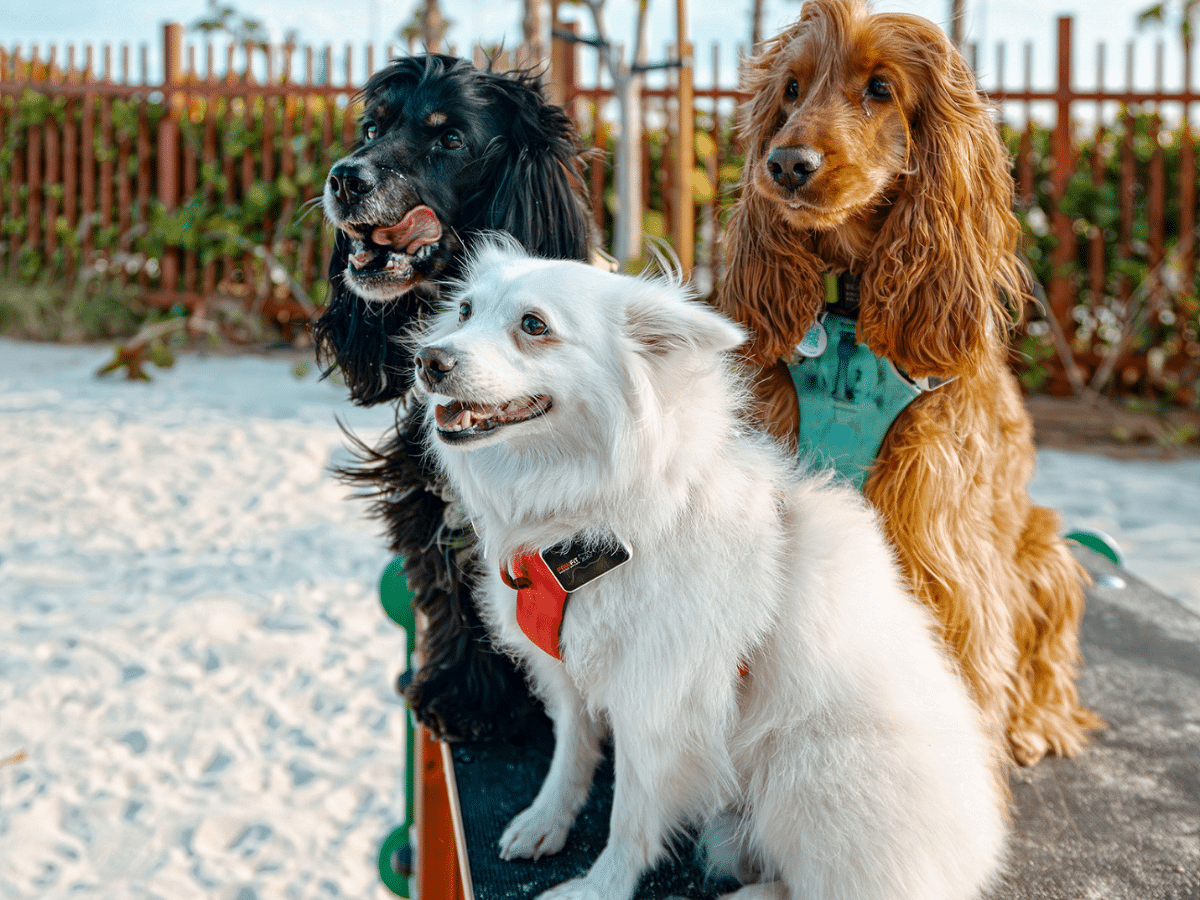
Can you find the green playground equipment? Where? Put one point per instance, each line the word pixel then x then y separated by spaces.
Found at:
pixel 1099 542
pixel 395 856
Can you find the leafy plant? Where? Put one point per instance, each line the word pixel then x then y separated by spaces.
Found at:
pixel 42 308
pixel 1144 308
pixel 263 235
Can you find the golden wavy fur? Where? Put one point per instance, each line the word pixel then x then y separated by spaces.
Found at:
pixel 869 150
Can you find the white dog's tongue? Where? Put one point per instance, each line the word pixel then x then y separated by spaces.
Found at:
pixel 420 226
pixel 461 417
pixel 456 416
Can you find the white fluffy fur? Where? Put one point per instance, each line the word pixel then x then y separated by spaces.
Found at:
pixel 850 755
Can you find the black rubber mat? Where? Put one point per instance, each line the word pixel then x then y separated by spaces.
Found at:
pixel 1121 822
pixel 498 780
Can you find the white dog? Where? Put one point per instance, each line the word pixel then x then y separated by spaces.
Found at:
pixel 739 626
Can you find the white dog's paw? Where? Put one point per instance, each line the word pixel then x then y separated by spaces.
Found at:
pixel 535 833
pixel 575 889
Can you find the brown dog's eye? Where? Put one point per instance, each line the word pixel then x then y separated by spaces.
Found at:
pixel 531 324
pixel 452 140
pixel 792 91
pixel 878 89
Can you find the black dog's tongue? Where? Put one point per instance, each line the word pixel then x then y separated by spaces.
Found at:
pixel 420 226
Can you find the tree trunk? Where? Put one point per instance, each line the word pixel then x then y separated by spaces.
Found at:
pixel 756 17
pixel 532 30
pixel 433 26
pixel 627 171
pixel 957 13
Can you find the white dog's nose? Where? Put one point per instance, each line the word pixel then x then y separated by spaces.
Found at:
pixel 434 364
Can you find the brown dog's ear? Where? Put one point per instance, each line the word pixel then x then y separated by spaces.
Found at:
pixel 933 294
pixel 773 285
pixel 761 117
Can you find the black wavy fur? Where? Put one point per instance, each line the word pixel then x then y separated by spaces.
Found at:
pixel 519 170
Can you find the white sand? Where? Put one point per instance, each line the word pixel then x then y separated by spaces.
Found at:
pixel 192 653
pixel 1151 509
pixel 193 659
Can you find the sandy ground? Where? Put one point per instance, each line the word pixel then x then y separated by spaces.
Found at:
pixel 193 660
pixel 195 674
pixel 1151 508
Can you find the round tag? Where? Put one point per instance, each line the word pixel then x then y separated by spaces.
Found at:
pixel 814 342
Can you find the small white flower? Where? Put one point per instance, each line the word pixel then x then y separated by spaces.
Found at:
pixel 1038 223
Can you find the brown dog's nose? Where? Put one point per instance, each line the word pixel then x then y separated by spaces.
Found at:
pixel 792 167
pixel 434 364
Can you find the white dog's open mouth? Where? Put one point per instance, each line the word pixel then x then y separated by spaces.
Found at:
pixel 458 421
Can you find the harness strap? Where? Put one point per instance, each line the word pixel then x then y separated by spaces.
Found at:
pixel 848 396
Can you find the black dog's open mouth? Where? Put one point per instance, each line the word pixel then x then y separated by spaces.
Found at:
pixel 458 421
pixel 393 253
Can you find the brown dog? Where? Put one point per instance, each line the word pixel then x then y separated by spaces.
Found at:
pixel 870 152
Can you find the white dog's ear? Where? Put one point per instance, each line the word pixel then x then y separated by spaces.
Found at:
pixel 660 321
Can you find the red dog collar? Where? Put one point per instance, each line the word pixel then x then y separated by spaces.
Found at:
pixel 543 580
pixel 541 600
pixel 542 592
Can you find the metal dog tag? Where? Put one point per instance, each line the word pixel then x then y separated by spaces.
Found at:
pixel 577 561
pixel 814 342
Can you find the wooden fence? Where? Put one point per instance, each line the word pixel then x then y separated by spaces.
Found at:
pixel 201 183
pixel 1117 247
pixel 1110 212
pixel 188 186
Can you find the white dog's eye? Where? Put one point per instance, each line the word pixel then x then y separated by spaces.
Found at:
pixel 464 311
pixel 531 324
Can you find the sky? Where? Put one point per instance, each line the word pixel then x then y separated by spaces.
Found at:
pixel 339 22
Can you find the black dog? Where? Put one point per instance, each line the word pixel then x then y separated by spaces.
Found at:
pixel 447 152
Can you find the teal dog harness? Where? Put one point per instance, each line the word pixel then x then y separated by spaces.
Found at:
pixel 848 396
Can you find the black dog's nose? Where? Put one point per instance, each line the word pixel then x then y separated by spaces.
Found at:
pixel 792 167
pixel 434 364
pixel 348 184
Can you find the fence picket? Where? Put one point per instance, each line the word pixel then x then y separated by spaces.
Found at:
pixel 107 155
pixel 33 182
pixel 6 186
pixel 141 218
pixel 70 186
pixel 87 175
pixel 1097 247
pixel 308 227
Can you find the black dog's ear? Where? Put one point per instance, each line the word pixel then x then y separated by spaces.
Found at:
pixel 352 335
pixel 533 189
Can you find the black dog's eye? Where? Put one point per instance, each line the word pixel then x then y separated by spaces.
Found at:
pixel 464 311
pixel 879 89
pixel 792 91
pixel 369 130
pixel 531 324
pixel 452 140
